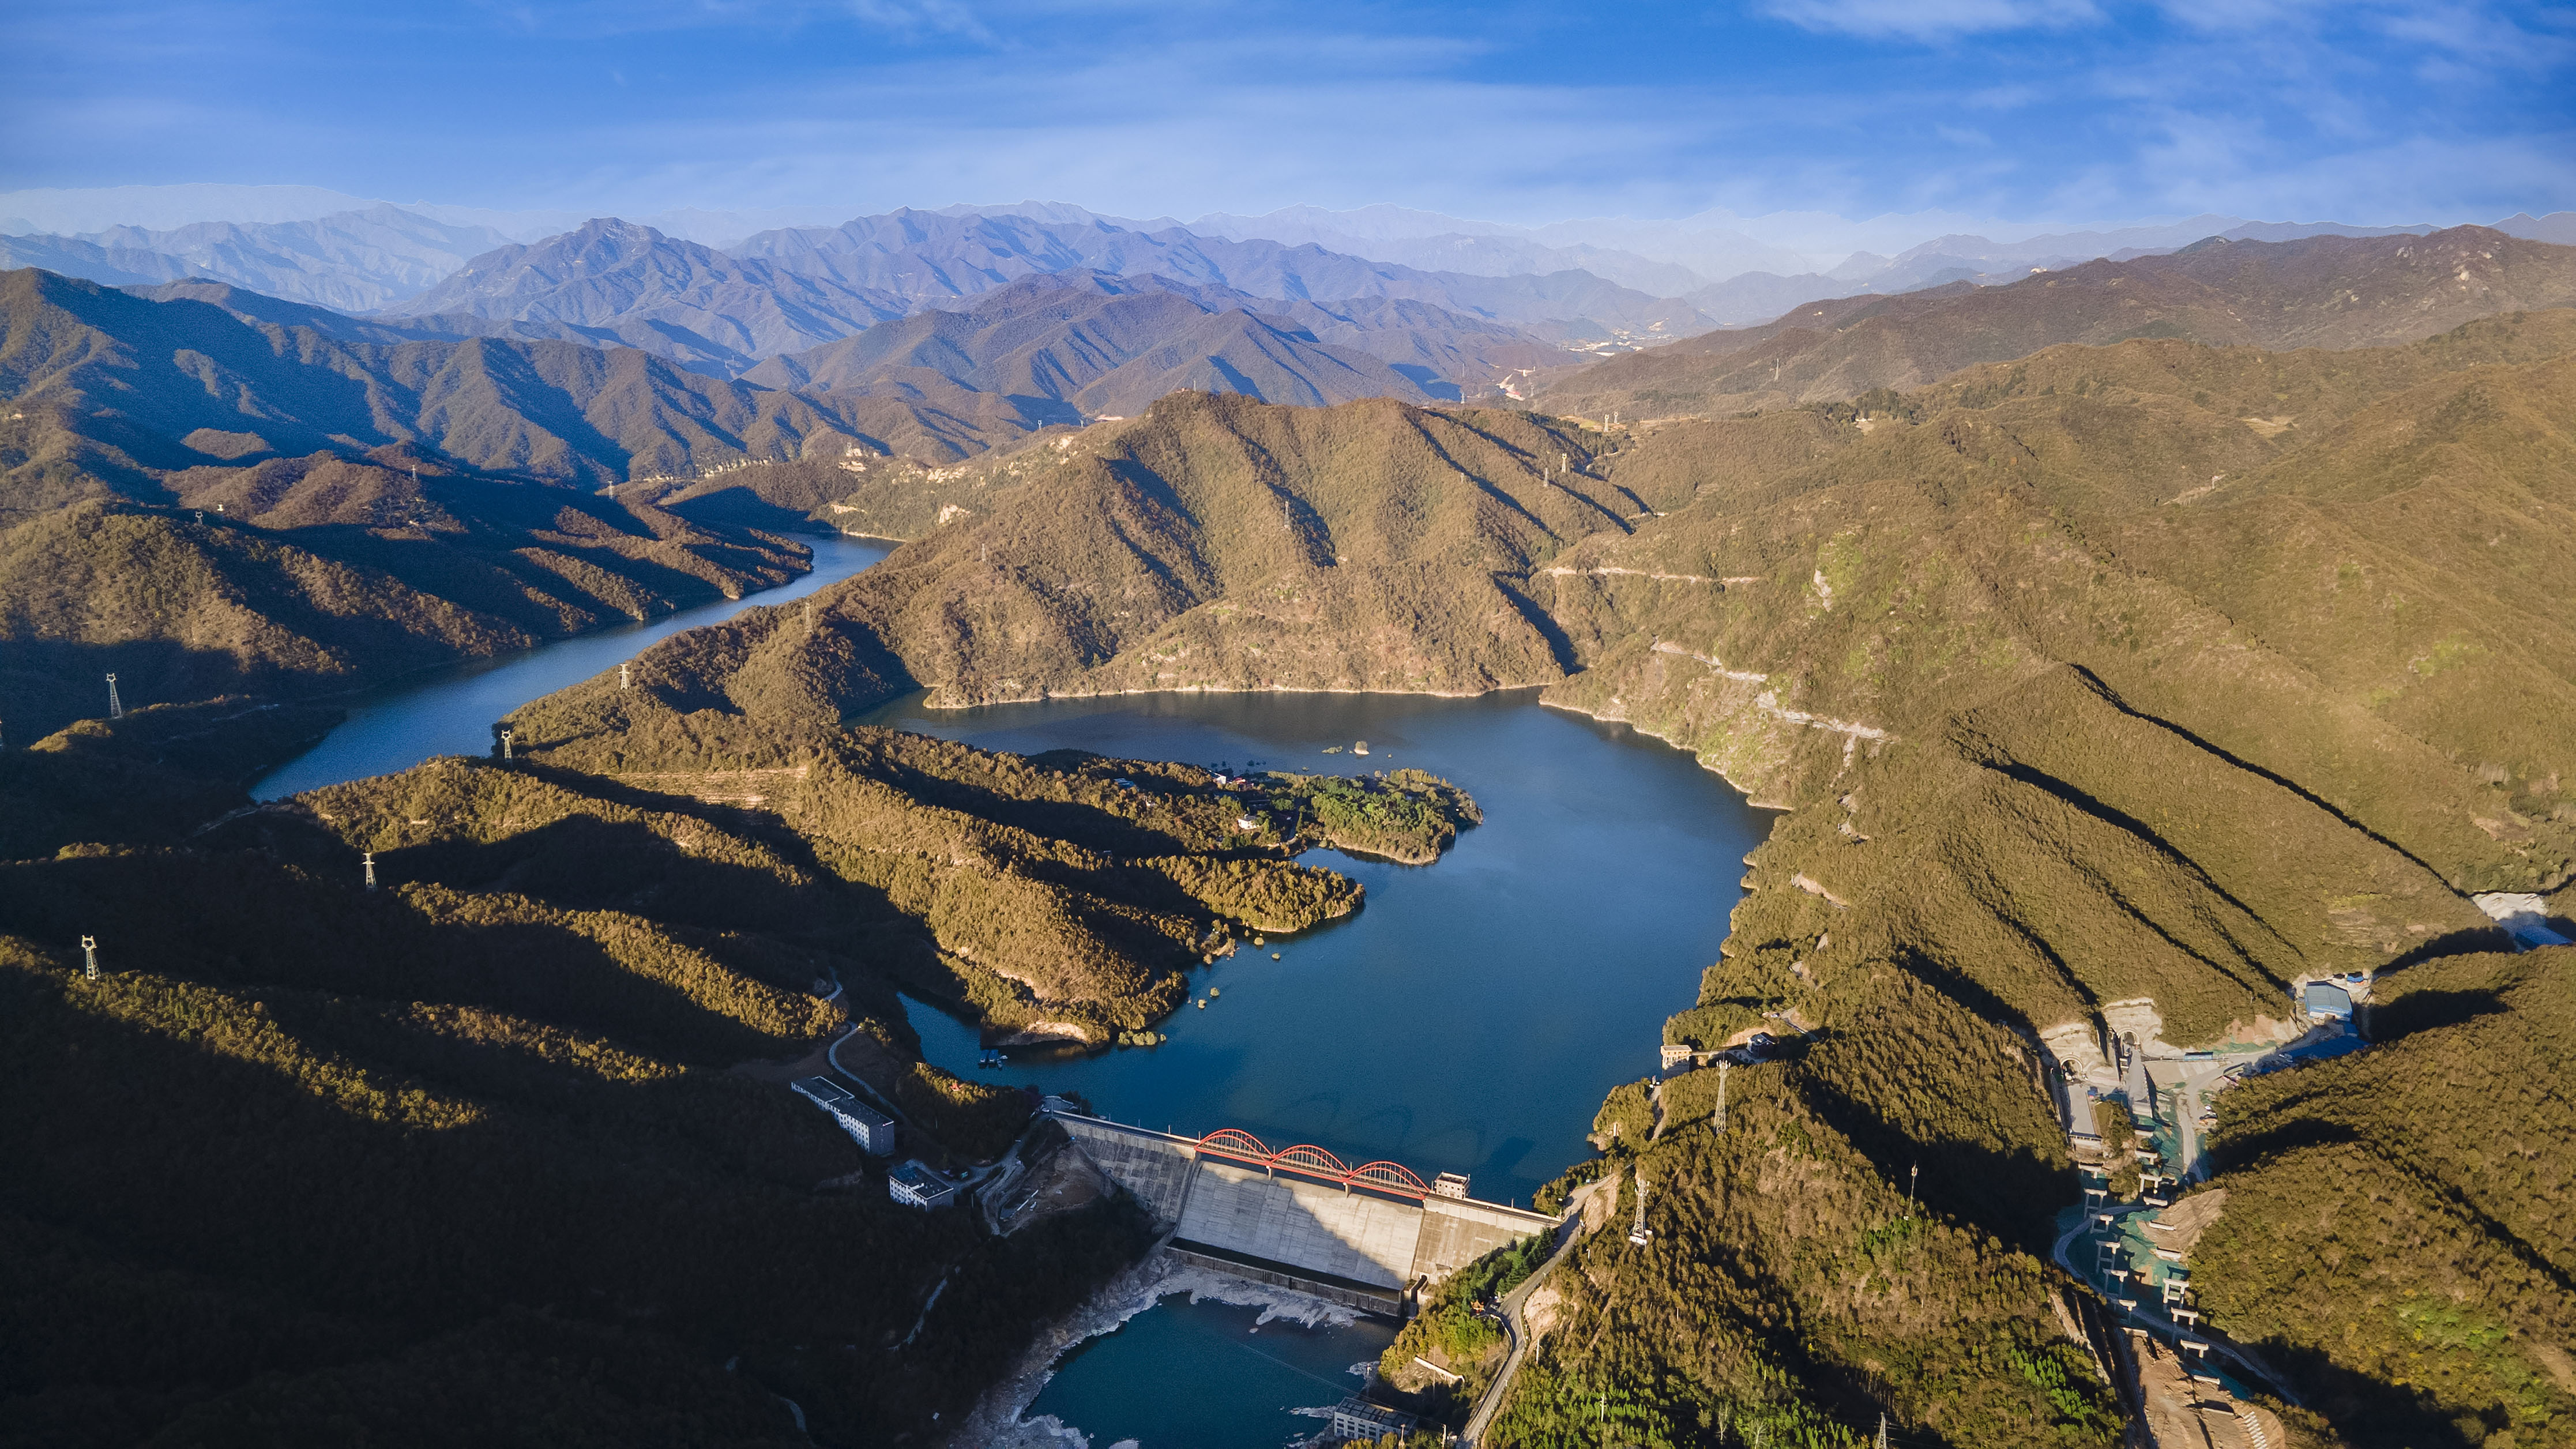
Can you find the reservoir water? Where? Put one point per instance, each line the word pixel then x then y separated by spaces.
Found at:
pixel 450 710
pixel 1469 1018
pixel 1472 1014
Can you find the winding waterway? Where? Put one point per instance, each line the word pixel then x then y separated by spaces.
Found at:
pixel 1469 1018
pixel 450 710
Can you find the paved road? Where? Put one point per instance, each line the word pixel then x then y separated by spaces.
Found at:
pixel 2143 1318
pixel 1568 1232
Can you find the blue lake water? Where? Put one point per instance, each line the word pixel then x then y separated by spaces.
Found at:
pixel 1472 1014
pixel 450 710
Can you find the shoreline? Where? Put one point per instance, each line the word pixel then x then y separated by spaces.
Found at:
pixel 1697 757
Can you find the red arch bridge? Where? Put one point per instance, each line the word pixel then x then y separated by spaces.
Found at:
pixel 1308 1160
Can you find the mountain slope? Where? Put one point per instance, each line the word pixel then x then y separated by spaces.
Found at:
pixel 2318 292
pixel 1098 343
pixel 1214 543
pixel 926 257
pixel 640 284
pixel 2388 1222
pixel 204 505
pixel 355 261
pixel 132 383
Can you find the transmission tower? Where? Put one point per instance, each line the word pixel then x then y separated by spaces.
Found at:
pixel 115 706
pixel 371 870
pixel 624 680
pixel 89 953
pixel 506 733
pixel 1882 1429
pixel 1719 1121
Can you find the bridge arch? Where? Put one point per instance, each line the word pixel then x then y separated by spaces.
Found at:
pixel 1308 1160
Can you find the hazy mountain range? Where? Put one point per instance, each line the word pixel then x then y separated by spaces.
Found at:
pixel 718 291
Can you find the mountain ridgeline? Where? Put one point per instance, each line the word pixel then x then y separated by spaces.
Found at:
pixel 2318 292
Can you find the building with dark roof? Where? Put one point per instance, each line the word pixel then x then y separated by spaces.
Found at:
pixel 873 1129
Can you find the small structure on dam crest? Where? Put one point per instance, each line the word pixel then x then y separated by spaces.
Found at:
pixel 1370 1237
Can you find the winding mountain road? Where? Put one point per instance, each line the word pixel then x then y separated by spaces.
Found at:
pixel 1568 1232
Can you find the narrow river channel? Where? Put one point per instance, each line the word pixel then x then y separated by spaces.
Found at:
pixel 1469 1018
pixel 450 710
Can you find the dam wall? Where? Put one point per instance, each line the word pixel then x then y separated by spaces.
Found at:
pixel 1351 1243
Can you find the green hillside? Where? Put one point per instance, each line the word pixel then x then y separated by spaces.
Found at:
pixel 2395 1224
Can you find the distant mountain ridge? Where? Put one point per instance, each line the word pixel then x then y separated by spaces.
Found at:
pixel 1100 343
pixel 788 291
pixel 353 261
pixel 658 293
pixel 925 255
pixel 2324 291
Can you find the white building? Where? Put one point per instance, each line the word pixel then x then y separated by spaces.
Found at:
pixel 1356 1418
pixel 914 1185
pixel 873 1129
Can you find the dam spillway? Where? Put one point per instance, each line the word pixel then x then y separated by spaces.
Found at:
pixel 1370 1240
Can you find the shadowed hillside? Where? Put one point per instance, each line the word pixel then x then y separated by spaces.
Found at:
pixel 512 1127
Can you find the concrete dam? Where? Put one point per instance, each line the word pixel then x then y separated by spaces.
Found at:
pixel 1371 1237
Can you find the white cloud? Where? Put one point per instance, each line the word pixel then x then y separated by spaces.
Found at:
pixel 1931 19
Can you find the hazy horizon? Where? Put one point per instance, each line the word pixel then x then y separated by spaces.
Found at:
pixel 1835 116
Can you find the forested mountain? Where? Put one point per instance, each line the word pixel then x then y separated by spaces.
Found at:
pixel 1101 343
pixel 2319 292
pixel 2390 1224
pixel 355 261
pixel 507 1141
pixel 927 256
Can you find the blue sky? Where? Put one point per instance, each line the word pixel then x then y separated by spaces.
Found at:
pixel 2040 111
